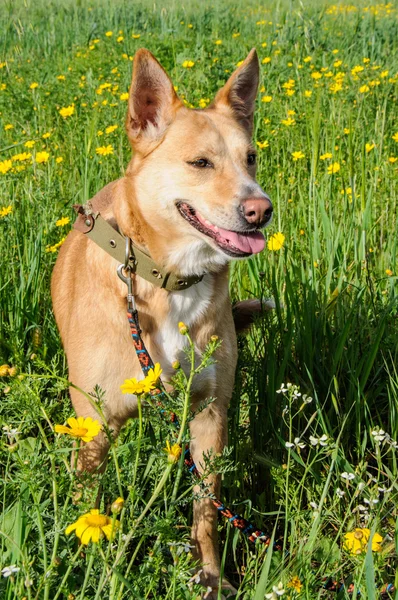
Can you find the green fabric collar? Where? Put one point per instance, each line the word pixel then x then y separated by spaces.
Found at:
pixel 109 239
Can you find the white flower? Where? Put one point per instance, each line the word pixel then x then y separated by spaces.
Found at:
pixel 7 571
pixel 282 389
pixel 196 577
pixel 10 433
pixel 361 486
pixel 307 399
pixel 348 476
pixel 322 441
pixel 384 489
pixel 276 592
pixel 340 493
pixel 371 501
pixel 379 435
pixel 314 505
pixel 296 444
pixel 208 592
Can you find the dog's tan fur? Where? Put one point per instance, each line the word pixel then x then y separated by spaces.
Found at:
pixel 90 301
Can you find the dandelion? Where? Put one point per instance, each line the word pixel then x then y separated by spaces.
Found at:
pixel 45 136
pixel 356 541
pixel 276 241
pixel 395 137
pixel 316 75
pixel 21 157
pixel 104 150
pixel 33 85
pixel 82 428
pixel 8 127
pixel 326 156
pixel 277 591
pixel 63 221
pixel 363 89
pixel 333 168
pixel 307 93
pixel 298 155
pixel 266 60
pixel 6 210
pixel 389 272
pixel 55 247
pixel 218 42
pixel 262 145
pixel 5 166
pixel 188 64
pixel 59 159
pixel 392 159
pixel 266 99
pixel 42 157
pixel 346 131
pixel 111 128
pixel 288 122
pixel 369 147
pixel 8 571
pixel 124 96
pixel 173 452
pixel 29 144
pixel 67 111
pixel 109 34
pixel 307 59
pixel 295 584
pixel 136 36
pixel 93 526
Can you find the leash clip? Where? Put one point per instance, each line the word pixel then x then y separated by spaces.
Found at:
pixel 128 280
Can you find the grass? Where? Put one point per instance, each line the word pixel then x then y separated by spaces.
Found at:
pixel 332 336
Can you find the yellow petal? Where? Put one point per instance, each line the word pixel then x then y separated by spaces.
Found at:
pixel 87 535
pixel 81 528
pixel 71 528
pixel 61 429
pixel 72 421
pixel 96 534
pixel 80 421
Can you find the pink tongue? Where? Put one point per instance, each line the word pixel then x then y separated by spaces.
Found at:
pixel 250 243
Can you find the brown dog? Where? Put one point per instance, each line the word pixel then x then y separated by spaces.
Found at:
pixel 190 201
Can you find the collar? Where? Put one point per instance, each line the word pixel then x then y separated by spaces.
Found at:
pixel 109 239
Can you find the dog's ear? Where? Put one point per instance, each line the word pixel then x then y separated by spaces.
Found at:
pixel 152 102
pixel 240 91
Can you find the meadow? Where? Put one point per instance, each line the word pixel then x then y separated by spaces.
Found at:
pixel 312 456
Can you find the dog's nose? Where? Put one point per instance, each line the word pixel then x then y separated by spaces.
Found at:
pixel 257 211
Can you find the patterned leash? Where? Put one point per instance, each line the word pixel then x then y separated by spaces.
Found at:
pixel 252 533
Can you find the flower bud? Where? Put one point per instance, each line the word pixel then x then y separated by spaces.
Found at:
pixel 175 364
pixel 117 506
pixel 183 329
pixel 12 371
pixel 214 338
pixel 4 370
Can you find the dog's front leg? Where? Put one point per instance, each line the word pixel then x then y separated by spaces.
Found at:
pixel 208 433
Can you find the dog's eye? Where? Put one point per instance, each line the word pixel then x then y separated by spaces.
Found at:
pixel 251 159
pixel 200 163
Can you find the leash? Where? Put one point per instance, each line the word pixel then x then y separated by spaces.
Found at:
pixel 248 529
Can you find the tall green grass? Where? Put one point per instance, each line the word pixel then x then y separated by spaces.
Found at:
pixel 333 332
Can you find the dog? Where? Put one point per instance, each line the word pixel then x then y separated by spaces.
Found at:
pixel 189 201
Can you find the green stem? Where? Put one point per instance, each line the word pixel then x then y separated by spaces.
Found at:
pixel 69 569
pixel 88 571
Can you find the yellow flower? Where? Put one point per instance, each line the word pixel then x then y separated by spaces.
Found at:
pixel 33 85
pixel 63 221
pixel 333 168
pixel 120 39
pixel 173 452
pixel 29 144
pixel 8 127
pixel 262 145
pixel 307 93
pixel 356 541
pixel 21 157
pixel 326 156
pixel 356 69
pixel 266 60
pixel 337 63
pixel 297 155
pixel 307 59
pixel 5 166
pixel 55 247
pixel 316 75
pixel 369 147
pixel 182 328
pixel 59 159
pixel 105 150
pixel 234 35
pixel 188 64
pixel 288 122
pixel 276 241
pixel 395 137
pixel 154 374
pixel 46 135
pixel 111 128
pixel 124 96
pixel 109 34
pixel 266 99
pixel 346 130
pixel 61 77
pixel 85 429
pixel 133 386
pixel 135 36
pixel 67 111
pixel 4 370
pixel 364 88
pixel 93 526
pixel 295 583
pixel 117 506
pixel 392 159
pixel 42 157
pixel 218 42
pixel 388 272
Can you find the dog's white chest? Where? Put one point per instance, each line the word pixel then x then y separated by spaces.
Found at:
pixel 188 306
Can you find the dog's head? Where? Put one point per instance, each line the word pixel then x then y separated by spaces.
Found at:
pixel 193 171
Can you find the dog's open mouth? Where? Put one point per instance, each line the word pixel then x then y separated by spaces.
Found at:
pixel 231 242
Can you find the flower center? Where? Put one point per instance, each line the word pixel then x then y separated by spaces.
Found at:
pixel 97 520
pixel 80 431
pixel 358 535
